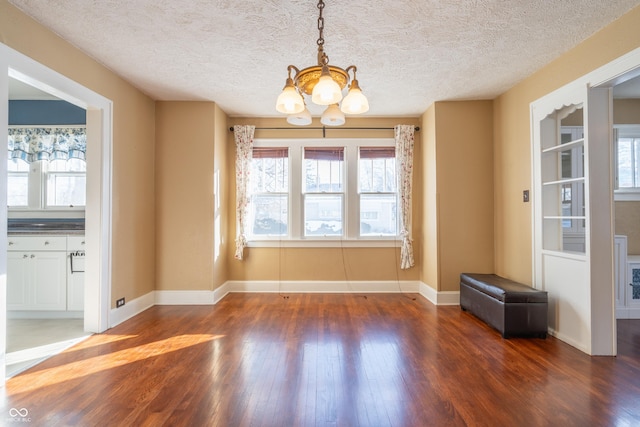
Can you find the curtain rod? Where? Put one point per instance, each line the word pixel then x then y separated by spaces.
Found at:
pixel 324 128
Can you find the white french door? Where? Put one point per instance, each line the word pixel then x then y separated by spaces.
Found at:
pixel 573 231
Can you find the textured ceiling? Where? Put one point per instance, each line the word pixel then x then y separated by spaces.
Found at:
pixel 409 53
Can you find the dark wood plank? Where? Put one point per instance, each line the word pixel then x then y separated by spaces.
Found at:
pixel 337 360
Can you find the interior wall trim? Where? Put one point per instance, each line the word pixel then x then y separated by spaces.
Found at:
pixel 439 297
pixel 311 286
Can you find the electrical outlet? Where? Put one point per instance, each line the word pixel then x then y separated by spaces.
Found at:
pixel 120 302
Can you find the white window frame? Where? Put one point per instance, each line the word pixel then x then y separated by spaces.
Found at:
pixel 37 193
pixel 351 216
pixel 624 194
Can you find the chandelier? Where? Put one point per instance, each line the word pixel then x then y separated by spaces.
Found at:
pixel 324 83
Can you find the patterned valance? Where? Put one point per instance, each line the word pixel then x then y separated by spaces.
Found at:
pixel 47 143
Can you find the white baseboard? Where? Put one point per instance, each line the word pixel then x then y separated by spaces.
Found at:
pixel 439 298
pixel 130 309
pixel 307 286
pixel 568 340
pixel 185 297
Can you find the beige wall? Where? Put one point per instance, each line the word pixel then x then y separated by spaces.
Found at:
pixel 459 204
pixel 628 224
pixel 133 243
pixel 186 170
pixel 626 111
pixel 330 264
pixel 512 146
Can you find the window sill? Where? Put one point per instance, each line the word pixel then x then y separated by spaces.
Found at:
pixel 327 243
pixel 626 195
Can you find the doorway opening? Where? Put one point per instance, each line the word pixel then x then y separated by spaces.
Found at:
pixel 97 263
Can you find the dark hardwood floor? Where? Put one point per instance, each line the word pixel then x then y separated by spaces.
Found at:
pixel 318 360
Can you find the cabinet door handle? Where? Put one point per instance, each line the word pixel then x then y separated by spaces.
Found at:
pixel 33 256
pixel 25 256
pixel 46 242
pixel 11 243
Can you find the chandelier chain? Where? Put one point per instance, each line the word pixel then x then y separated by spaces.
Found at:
pixel 320 24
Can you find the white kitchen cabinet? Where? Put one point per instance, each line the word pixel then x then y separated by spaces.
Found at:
pixel 36 277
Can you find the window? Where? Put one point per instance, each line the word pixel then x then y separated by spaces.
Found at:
pixel 378 197
pixel 323 190
pixel 18 184
pixel 627 162
pixel 269 184
pixel 57 184
pixel 66 183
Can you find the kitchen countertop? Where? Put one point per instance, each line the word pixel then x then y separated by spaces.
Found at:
pixel 45 226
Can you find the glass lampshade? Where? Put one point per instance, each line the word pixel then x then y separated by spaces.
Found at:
pixel 326 91
pixel 290 101
pixel 302 118
pixel 355 102
pixel 332 116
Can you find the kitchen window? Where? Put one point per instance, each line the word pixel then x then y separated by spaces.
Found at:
pixel 323 191
pixel 40 185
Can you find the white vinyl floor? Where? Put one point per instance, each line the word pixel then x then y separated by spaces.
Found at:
pixel 30 341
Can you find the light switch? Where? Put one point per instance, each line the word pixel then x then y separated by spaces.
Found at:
pixel 525 196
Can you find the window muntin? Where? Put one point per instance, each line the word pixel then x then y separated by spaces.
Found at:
pixel 378 199
pixel 269 189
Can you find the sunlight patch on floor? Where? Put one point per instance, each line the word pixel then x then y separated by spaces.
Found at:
pixel 47 377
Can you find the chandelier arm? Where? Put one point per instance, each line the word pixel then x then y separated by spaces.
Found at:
pixel 351 67
pixel 292 67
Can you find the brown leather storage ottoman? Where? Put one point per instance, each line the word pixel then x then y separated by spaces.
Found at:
pixel 510 307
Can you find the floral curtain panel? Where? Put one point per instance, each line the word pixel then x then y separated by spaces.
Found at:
pixel 244 148
pixel 47 143
pixel 404 135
